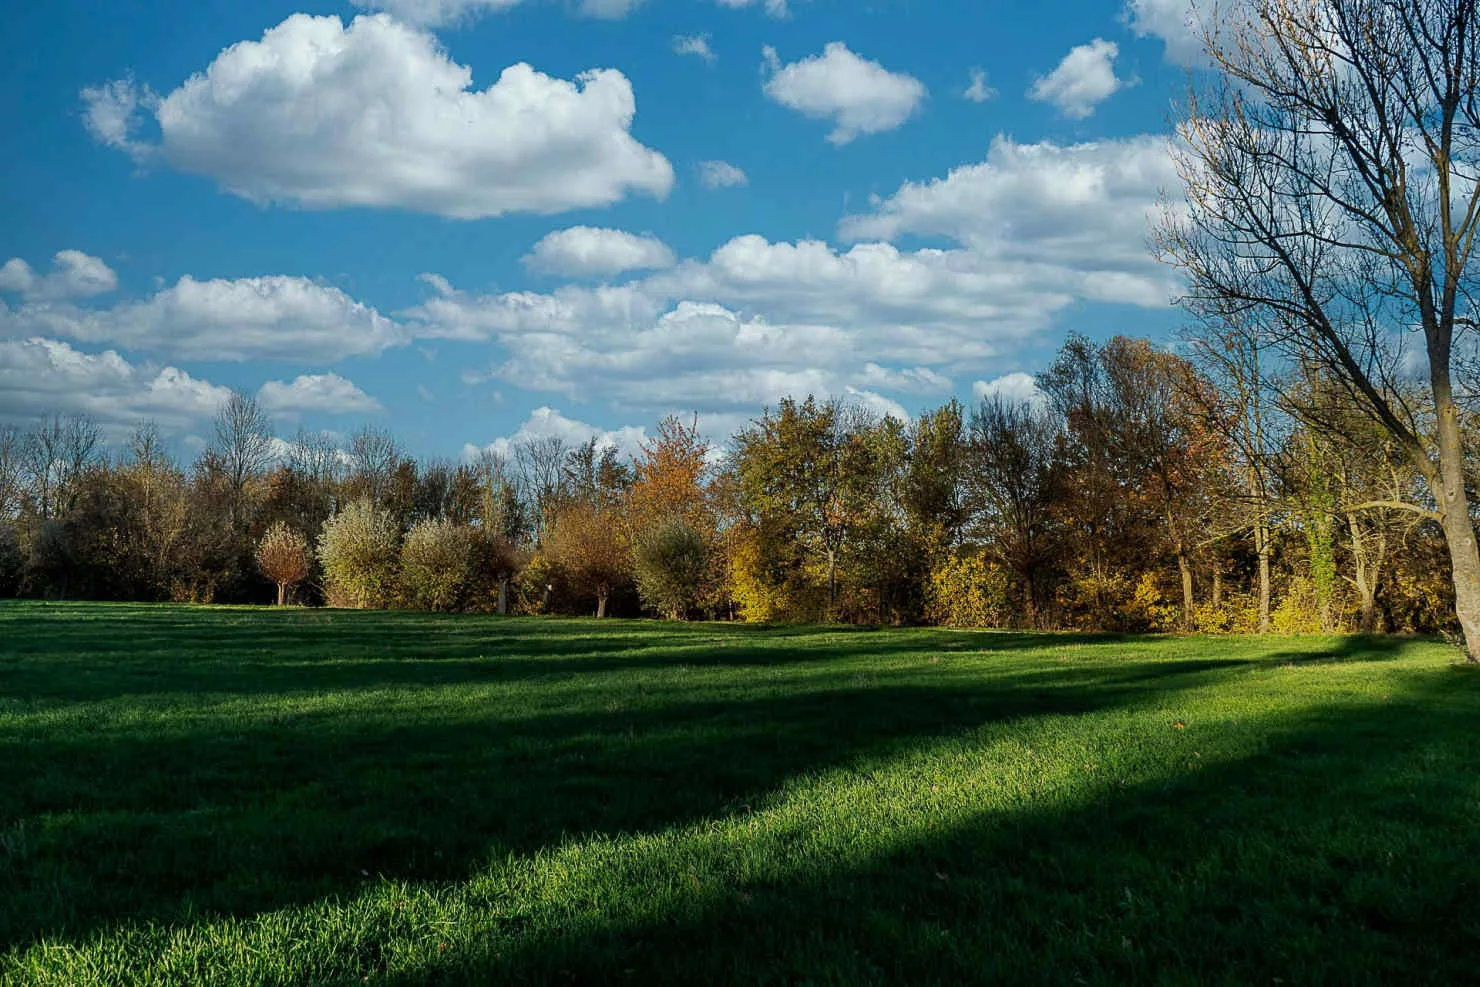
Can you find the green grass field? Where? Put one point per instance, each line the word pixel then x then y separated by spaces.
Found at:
pixel 249 796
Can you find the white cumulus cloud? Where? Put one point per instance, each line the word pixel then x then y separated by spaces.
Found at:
pixel 47 376
pixel 1014 388
pixel 376 114
pixel 585 251
pixel 73 274
pixel 275 317
pixel 324 393
pixel 1078 215
pixel 549 423
pixel 1083 80
pixel 859 96
pixel 1175 23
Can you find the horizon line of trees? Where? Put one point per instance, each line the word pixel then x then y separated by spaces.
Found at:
pixel 1144 491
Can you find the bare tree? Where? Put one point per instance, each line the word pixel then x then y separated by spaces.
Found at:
pixel 317 458
pixel 1332 177
pixel 1248 415
pixel 244 446
pixel 541 466
pixel 1011 483
pixel 373 458
pixel 10 471
pixel 54 455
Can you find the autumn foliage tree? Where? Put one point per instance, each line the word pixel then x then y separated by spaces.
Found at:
pixel 586 542
pixel 284 558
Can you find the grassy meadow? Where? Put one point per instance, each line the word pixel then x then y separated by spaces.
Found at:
pixel 255 796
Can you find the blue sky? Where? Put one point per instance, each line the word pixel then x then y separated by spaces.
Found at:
pixel 470 220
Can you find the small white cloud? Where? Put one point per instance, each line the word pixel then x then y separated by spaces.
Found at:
pixel 609 10
pixel 586 251
pixel 979 91
pixel 73 274
pixel 694 44
pixel 859 96
pixel 322 393
pixel 911 380
pixel 1015 388
pixel 436 13
pixel 1082 81
pixel 376 114
pixel 110 112
pixel 547 422
pixel 721 174
pixel 774 8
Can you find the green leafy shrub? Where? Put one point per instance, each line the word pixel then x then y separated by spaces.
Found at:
pixel 671 562
pixel 358 550
pixel 436 564
pixel 969 591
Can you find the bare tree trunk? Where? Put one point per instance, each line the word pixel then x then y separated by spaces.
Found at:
pixel 282 594
pixel 832 583
pixel 601 603
pixel 1459 529
pixel 503 595
pixel 1367 562
pixel 1217 587
pixel 1184 565
pixel 1262 546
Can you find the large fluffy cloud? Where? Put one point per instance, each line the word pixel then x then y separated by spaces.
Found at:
pixel 585 251
pixel 73 274
pixel 275 317
pixel 44 376
pixel 857 95
pixel 754 322
pixel 1081 211
pixel 376 114
pixel 1039 227
pixel 1082 81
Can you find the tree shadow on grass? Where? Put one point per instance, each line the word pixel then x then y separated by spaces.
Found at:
pixel 1345 853
pixel 236 815
pixel 121 651
pixel 1349 648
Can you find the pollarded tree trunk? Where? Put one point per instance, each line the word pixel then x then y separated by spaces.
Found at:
pixel 282 594
pixel 601 597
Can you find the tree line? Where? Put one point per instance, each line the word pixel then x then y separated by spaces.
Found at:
pixel 1142 489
